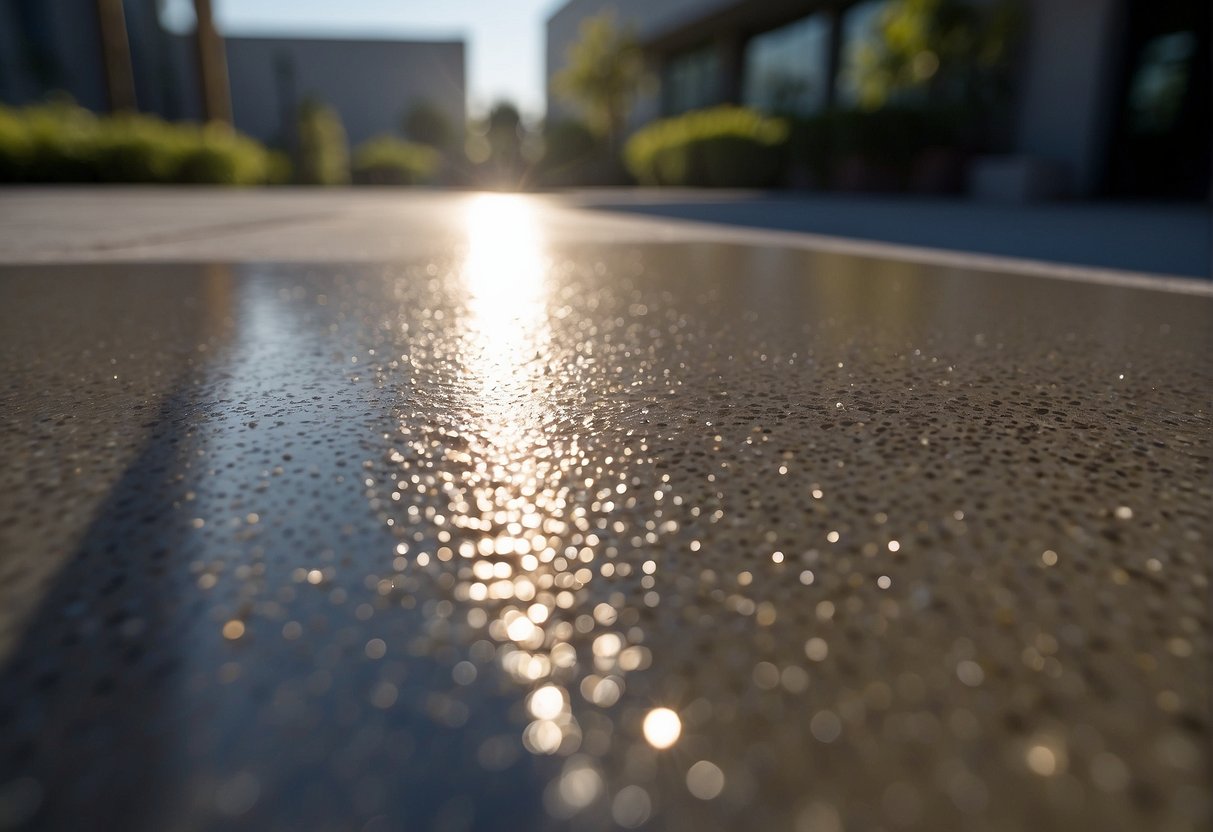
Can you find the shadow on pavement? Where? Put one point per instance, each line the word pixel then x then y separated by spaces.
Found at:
pixel 1157 239
pixel 86 697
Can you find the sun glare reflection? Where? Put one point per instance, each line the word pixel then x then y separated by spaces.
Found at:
pixel 505 278
pixel 527 551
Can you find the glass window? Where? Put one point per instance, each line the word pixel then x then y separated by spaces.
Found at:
pixel 691 80
pixel 860 34
pixel 787 69
pixel 1160 83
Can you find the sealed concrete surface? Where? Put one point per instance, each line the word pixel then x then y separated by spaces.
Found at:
pixel 527 533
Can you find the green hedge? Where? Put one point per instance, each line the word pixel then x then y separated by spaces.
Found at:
pixel 890 149
pixel 882 146
pixel 573 156
pixel 387 160
pixel 61 142
pixel 723 147
pixel 322 153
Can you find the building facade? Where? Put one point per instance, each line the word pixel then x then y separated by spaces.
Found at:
pixel 1110 96
pixel 372 84
pixel 54 45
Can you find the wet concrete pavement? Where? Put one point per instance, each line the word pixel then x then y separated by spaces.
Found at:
pixel 523 530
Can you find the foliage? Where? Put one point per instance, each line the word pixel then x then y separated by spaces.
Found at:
pixel 387 160
pixel 61 142
pixel 568 141
pixel 574 156
pixel 604 71
pixel 938 51
pixel 891 140
pixel 894 135
pixel 810 146
pixel 719 147
pixel 500 148
pixel 504 122
pixel 883 149
pixel 279 169
pixel 426 123
pixel 323 153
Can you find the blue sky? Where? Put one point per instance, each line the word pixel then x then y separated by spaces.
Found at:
pixel 504 37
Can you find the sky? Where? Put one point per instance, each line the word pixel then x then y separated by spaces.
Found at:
pixel 504 38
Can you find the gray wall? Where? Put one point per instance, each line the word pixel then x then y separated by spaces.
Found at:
pixel 70 52
pixel 371 83
pixel 1065 95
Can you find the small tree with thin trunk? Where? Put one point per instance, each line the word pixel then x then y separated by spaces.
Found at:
pixel 604 71
pixel 948 52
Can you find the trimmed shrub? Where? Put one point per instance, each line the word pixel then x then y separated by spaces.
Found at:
pixel 14 146
pixel 278 168
pixel 573 156
pixel 324 156
pixel 890 149
pixel 427 123
pixel 810 147
pixel 567 142
pixel 61 142
pixel 387 160
pixel 878 149
pixel 722 147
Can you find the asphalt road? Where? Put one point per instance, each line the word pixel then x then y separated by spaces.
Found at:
pixel 534 524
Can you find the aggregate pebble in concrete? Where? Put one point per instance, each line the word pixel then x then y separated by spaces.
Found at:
pixel 658 536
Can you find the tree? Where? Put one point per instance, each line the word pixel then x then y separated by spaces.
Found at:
pixel 604 71
pixel 426 123
pixel 323 153
pixel 116 55
pixel 504 130
pixel 502 148
pixel 942 51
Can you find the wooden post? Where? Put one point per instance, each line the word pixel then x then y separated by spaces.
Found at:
pixel 212 67
pixel 116 56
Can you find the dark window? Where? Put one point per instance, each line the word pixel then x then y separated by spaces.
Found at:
pixel 36 39
pixel 1160 84
pixel 691 80
pixel 860 35
pixel 787 69
pixel 1161 139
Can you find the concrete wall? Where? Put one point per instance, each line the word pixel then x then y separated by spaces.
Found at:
pixel 1071 50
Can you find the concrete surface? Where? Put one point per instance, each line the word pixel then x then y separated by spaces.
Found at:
pixel 1105 243
pixel 429 538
